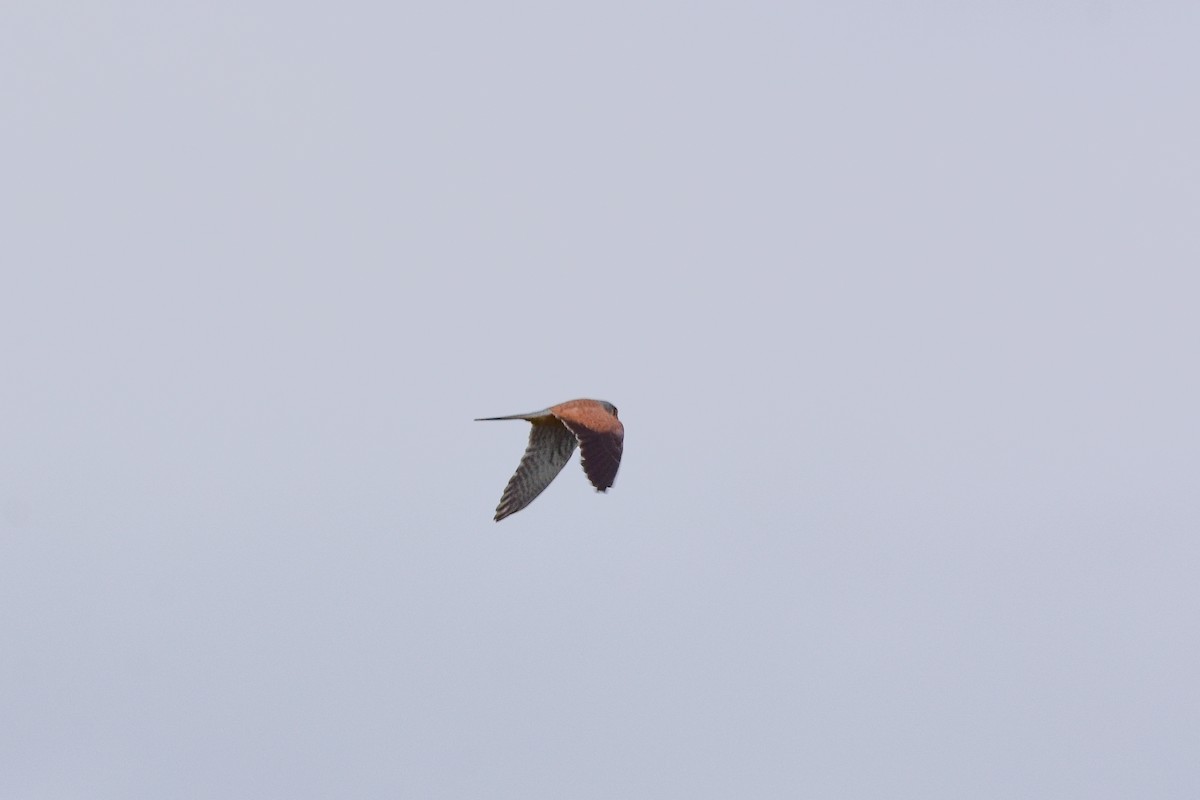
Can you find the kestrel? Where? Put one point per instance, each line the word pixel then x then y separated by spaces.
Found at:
pixel 591 424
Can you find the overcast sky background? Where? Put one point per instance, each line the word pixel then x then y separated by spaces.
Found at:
pixel 899 303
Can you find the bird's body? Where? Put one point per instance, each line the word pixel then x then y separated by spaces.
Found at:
pixel 592 425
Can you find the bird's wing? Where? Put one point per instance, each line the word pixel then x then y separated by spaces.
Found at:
pixel 601 440
pixel 550 446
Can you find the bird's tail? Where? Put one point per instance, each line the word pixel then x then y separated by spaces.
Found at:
pixel 530 416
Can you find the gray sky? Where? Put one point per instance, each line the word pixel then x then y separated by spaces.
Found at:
pixel 898 302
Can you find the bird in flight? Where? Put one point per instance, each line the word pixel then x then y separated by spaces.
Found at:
pixel 590 424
